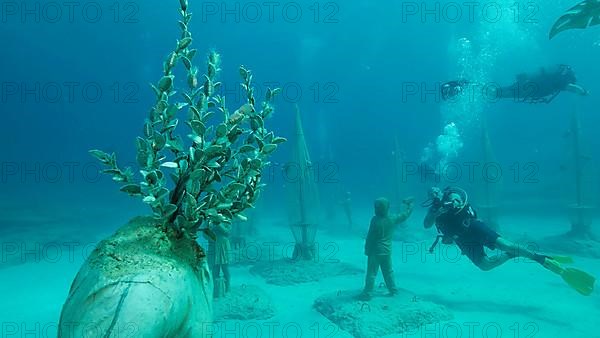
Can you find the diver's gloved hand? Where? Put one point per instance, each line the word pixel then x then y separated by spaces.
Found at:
pixel 436 195
pixel 435 192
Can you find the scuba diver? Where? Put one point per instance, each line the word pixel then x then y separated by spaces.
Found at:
pixel 539 87
pixel 457 222
pixel 378 245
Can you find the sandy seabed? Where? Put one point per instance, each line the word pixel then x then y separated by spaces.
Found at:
pixel 519 299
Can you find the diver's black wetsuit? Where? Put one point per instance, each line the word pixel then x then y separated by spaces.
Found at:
pixel 469 233
pixel 541 86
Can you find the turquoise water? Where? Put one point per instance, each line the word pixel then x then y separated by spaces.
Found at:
pixel 366 78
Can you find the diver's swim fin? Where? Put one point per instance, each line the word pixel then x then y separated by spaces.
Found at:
pixel 562 259
pixel 579 280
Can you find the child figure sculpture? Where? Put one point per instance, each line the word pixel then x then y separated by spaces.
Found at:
pixel 378 245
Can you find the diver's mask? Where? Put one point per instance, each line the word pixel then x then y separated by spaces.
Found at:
pixel 451 198
pixel 455 199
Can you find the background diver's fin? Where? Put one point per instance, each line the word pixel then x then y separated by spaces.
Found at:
pixel 582 15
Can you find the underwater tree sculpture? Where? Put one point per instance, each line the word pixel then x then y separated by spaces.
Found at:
pixel 583 15
pixel 210 160
pixel 151 277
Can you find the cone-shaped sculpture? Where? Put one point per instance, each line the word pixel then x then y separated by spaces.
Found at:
pixel 346 203
pixel 303 195
pixel 398 157
pixel 580 239
pixel 488 210
pixel 332 186
pixel 580 214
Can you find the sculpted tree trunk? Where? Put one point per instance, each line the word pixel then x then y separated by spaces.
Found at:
pixel 141 282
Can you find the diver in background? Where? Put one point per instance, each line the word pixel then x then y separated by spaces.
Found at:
pixel 457 222
pixel 539 87
pixel 378 245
